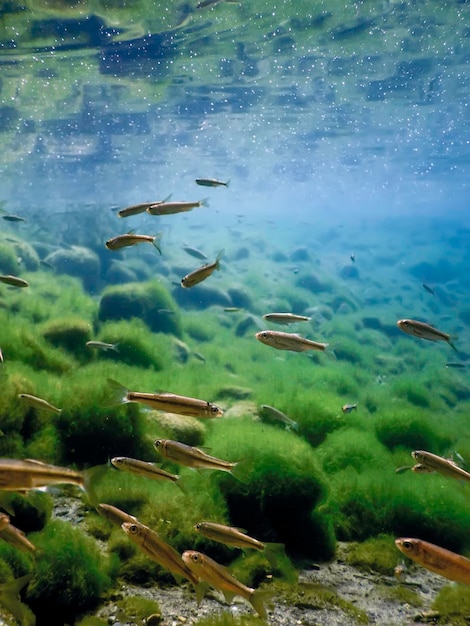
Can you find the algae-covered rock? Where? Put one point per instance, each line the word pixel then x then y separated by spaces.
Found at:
pixel 8 259
pixel 149 302
pixel 26 255
pixel 70 333
pixel 77 261
pixel 70 575
pixel 281 486
pixel 311 283
pixel 200 297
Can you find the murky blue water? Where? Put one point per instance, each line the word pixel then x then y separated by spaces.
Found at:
pixel 309 108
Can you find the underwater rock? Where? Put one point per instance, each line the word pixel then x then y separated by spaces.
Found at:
pixel 118 274
pixel 279 257
pixel 8 259
pixel 440 272
pixel 241 254
pixel 240 298
pixel 149 302
pixel 301 254
pixel 349 272
pixel 391 330
pixel 201 297
pixel 246 325
pixel 70 333
pixel 312 283
pixel 233 392
pixel 183 428
pixel 27 256
pixel 77 261
pixel 241 409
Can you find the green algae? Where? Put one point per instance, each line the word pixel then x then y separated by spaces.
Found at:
pixel 70 333
pixel 70 590
pixel 317 597
pixel 227 619
pixel 377 554
pixel 136 609
pixel 337 453
pixel 453 605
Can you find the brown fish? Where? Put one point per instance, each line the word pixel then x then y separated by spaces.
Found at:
pixel 436 559
pixel 14 281
pixel 197 459
pixel 170 208
pixel 114 515
pixel 201 273
pixel 38 403
pixel 162 553
pixel 130 239
pixel 169 402
pixel 429 462
pixel 290 341
pixel 135 209
pixel 424 331
pixel 219 577
pixel 144 468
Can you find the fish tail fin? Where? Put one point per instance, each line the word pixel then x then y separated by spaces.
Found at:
pixel 182 485
pixel 90 477
pixel 257 599
pixel 451 340
pixel 293 426
pixel 330 353
pixel 115 347
pixel 243 469
pixel 218 257
pixel 156 242
pixel 10 599
pixel 117 394
pixel 272 551
pixel 204 202
pixel 227 183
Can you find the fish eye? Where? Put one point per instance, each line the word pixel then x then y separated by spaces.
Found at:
pixel 198 526
pixel 265 335
pixel 158 443
pixel 118 460
pixel 195 558
pixel 133 529
pixel 407 545
pixel 214 409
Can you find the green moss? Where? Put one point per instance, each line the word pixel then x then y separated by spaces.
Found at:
pixel 8 260
pixel 149 301
pixel 317 597
pixel 412 391
pixel 70 590
pixel 136 344
pixel 282 489
pixel 401 594
pixel 70 333
pixel 350 447
pixel 378 554
pixel 135 609
pixel 413 430
pixel 453 605
pixel 92 621
pixel 199 327
pixel 28 255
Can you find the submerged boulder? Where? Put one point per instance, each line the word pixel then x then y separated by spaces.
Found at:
pixel 149 302
pixel 77 261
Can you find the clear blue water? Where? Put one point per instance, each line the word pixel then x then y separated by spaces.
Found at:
pixel 312 110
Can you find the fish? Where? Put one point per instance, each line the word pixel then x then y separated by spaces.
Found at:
pixel 400 570
pixel 196 458
pixel 144 468
pixel 235 537
pixel 23 475
pixel 135 209
pixel 162 553
pixel 211 182
pixel 280 416
pixel 16 537
pixel 101 345
pixel 456 365
pixel 232 309
pixel 1 355
pixel 428 289
pixel 434 463
pixel 290 341
pixel 436 559
pixel 285 318
pixel 38 403
pixel 201 273
pixel 347 408
pixel 10 599
pixel 114 515
pixel 197 254
pixel 169 402
pixel 130 239
pixel 425 331
pixel 14 281
pixel 352 256
pixel 218 576
pixel 13 218
pixel 170 208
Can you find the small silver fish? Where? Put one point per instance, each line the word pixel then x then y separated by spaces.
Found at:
pixel 280 416
pixel 290 341
pixel 211 182
pixel 14 281
pixel 101 345
pixel 347 408
pixel 197 254
pixel 285 318
pixel 38 403
pixel 424 331
pixel 130 239
pixel 170 208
